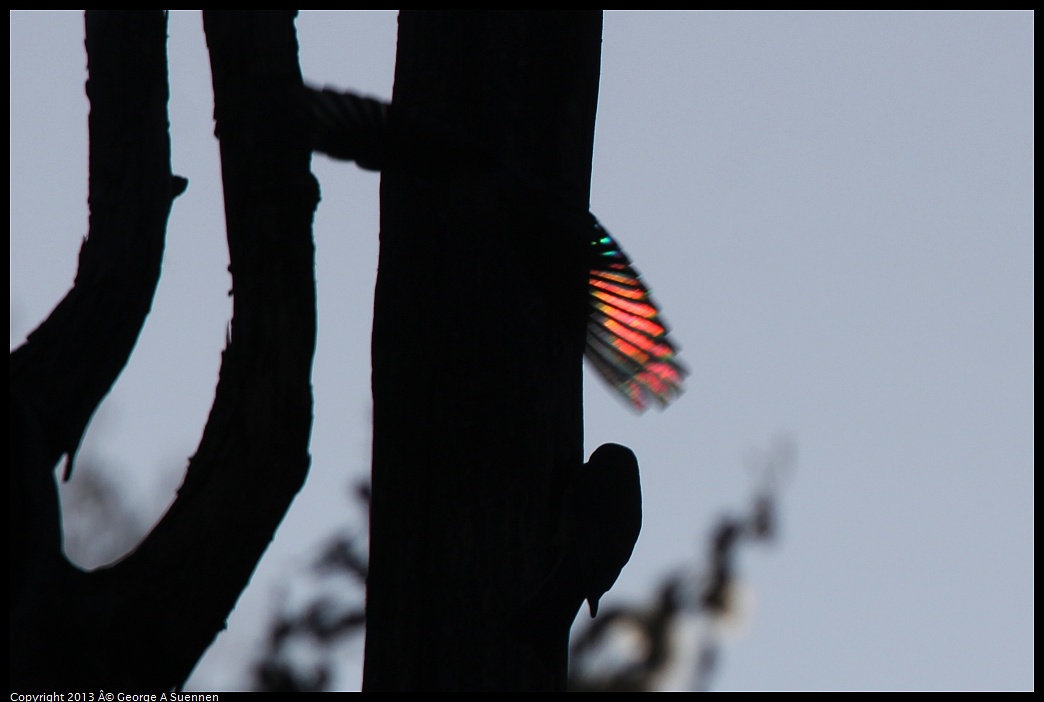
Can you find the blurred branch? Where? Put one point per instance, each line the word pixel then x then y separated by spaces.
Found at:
pixel 323 623
pixel 638 647
pixel 627 648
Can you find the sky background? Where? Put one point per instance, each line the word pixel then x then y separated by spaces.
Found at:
pixel 835 212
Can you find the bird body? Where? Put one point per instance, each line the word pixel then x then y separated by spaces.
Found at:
pixel 606 506
pixel 600 522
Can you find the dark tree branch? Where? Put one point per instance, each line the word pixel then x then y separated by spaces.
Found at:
pixel 253 457
pixel 143 623
pixel 69 363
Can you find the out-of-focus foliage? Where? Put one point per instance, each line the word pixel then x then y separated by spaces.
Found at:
pixel 674 640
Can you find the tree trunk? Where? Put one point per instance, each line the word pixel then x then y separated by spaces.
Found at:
pixel 478 343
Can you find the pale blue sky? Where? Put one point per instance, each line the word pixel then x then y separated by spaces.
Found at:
pixel 835 212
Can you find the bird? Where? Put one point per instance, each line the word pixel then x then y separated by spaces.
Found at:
pixel 604 510
pixel 628 342
pixel 600 521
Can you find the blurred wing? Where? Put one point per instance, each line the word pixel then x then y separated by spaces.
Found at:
pixel 627 340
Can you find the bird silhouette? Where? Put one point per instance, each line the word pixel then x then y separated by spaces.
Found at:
pixel 600 521
pixel 628 342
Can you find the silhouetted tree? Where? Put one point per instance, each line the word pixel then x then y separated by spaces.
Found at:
pixel 479 334
pixel 144 622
